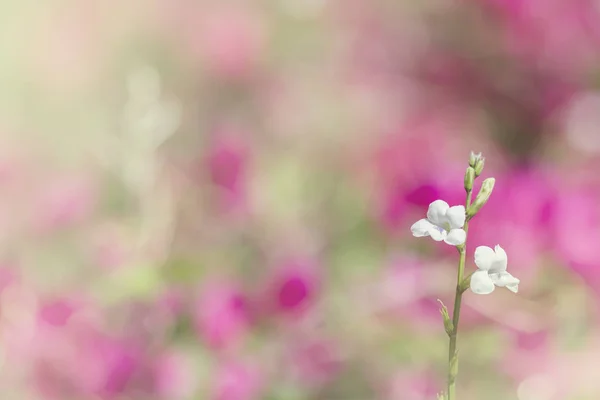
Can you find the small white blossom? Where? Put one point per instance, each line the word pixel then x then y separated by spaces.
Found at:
pixel 442 223
pixel 492 271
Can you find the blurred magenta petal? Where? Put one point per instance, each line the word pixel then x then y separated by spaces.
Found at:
pixel 293 292
pixel 57 312
pixel 221 314
pixel 423 195
pixel 122 362
pixel 293 288
pixel 227 162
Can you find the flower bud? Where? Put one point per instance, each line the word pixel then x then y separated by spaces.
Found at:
pixel 448 325
pixel 479 167
pixel 482 197
pixel 469 178
pixel 473 159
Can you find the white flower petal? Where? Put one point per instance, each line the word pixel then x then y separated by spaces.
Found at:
pixel 500 260
pixel 436 214
pixel 481 283
pixel 513 288
pixel 504 279
pixel 484 257
pixel 456 216
pixel 456 237
pixel 438 234
pixel 421 228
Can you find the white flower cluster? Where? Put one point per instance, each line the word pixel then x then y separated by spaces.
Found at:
pixel 445 223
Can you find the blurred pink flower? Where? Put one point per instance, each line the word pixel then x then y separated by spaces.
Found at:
pixel 293 288
pixel 227 162
pixel 293 292
pixel 422 195
pixel 56 312
pixel 122 362
pixel 221 316
pixel 237 381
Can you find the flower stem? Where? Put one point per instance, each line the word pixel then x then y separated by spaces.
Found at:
pixel 452 352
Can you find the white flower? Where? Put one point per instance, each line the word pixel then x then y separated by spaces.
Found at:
pixel 492 271
pixel 442 223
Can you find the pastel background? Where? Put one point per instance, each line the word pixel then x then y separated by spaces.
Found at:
pixel 212 199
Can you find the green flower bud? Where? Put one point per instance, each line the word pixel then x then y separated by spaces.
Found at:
pixel 448 325
pixel 469 178
pixel 473 159
pixel 482 197
pixel 479 167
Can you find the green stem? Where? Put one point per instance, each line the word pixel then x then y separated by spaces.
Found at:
pixel 456 313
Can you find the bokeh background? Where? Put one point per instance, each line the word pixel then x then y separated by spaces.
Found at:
pixel 212 199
